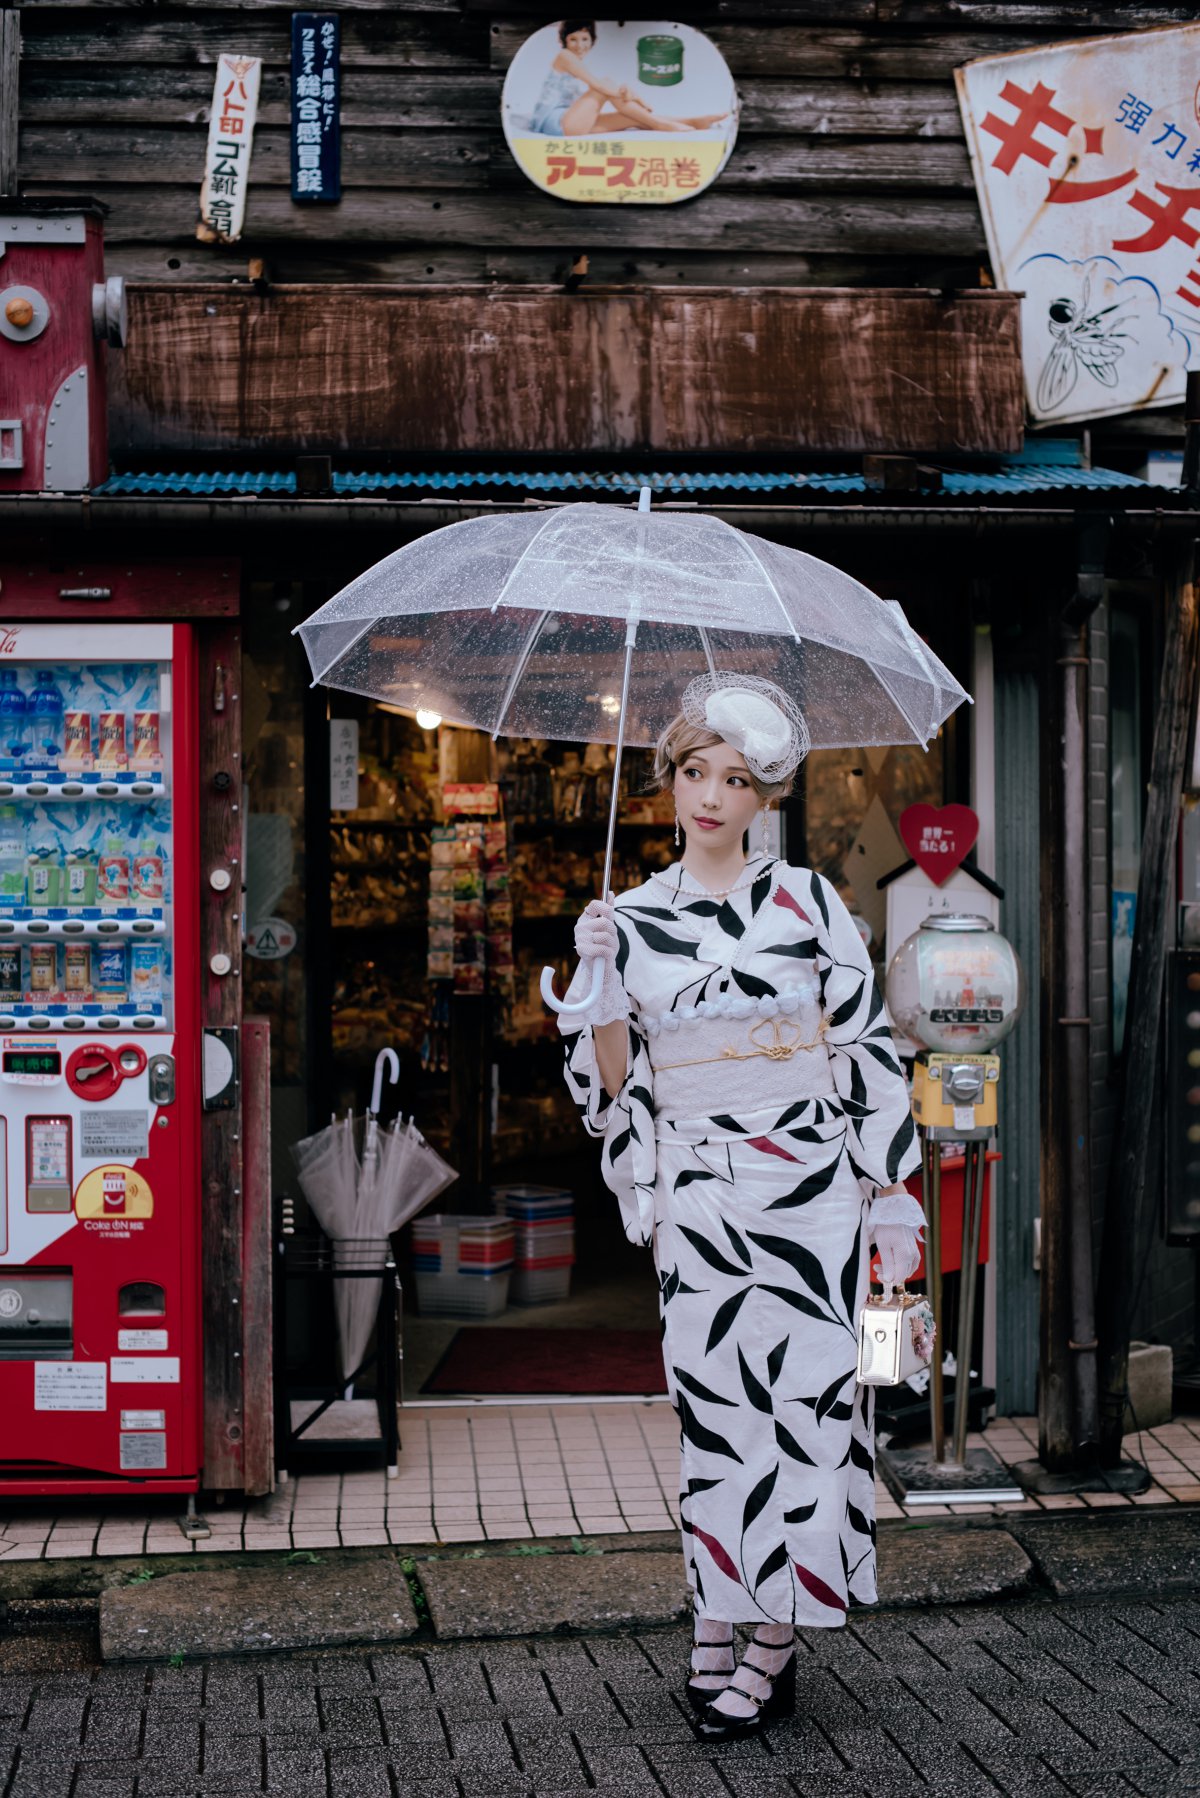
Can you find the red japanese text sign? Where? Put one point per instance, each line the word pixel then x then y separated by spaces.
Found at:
pixel 1087 162
pixel 939 837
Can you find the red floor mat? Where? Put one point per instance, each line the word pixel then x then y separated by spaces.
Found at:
pixel 520 1361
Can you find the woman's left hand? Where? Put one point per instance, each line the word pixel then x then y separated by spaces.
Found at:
pixel 899 1252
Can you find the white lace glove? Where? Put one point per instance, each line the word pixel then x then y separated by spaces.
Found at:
pixel 596 939
pixel 899 1252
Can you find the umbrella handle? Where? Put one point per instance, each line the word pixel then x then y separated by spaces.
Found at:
pixel 561 1005
pixel 389 1059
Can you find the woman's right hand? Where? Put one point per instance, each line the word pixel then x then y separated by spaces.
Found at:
pixel 596 937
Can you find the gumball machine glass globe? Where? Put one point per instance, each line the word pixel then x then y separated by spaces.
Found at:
pixel 956 985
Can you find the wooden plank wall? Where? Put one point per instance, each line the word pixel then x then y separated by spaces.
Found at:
pixel 850 166
pixel 635 368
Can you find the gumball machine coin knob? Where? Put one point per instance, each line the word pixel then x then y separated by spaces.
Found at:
pixel 19 312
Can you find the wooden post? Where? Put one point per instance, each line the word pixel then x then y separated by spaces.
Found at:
pixel 220 804
pixel 1125 1218
pixel 10 58
pixel 257 1333
pixel 470 1037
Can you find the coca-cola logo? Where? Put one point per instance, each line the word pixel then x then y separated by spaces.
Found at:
pixel 8 641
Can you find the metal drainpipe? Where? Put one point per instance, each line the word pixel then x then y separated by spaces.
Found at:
pixel 1075 1021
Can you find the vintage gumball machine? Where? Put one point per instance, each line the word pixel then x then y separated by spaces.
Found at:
pixel 955 986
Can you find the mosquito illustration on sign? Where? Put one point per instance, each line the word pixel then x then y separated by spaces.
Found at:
pixel 1082 339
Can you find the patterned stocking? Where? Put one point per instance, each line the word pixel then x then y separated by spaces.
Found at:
pixel 712 1655
pixel 768 1653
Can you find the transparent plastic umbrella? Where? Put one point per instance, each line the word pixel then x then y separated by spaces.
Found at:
pixel 586 622
pixel 361 1200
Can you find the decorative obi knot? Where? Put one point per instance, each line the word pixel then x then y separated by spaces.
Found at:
pixel 735 1005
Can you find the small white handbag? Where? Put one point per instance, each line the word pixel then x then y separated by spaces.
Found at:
pixel 895 1337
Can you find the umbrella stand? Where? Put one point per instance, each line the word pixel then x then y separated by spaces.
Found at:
pixel 631 629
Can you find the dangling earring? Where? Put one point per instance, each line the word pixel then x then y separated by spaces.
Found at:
pixel 676 830
pixel 766 840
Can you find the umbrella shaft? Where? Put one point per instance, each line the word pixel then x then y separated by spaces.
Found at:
pixel 614 804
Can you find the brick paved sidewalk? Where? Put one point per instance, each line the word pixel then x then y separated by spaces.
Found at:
pixel 1028 1698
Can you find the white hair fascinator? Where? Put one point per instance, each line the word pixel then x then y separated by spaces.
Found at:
pixel 755 715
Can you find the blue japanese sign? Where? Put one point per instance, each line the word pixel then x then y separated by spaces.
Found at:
pixel 316 103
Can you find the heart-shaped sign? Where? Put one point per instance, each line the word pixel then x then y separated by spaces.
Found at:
pixel 939 837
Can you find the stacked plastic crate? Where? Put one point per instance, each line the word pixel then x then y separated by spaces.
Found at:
pixel 543 1218
pixel 462 1265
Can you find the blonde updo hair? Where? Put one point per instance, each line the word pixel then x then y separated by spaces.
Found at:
pixel 682 738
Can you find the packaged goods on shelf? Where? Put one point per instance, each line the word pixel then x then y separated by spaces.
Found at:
pixel 543 1243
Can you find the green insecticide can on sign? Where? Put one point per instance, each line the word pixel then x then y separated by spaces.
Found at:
pixel 660 61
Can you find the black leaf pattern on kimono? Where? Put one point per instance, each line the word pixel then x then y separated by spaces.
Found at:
pixel 756 1392
pixel 692 1173
pixel 846 1009
pixel 827 1404
pixel 790 1446
pixel 857 1520
pixel 661 943
pixel 819 899
pixel 850 1275
pixel 723 1318
pixel 758 892
pixel 801 1514
pixel 700 1436
pixel 752 986
pixel 695 1485
pixel 699 1390
pixel 775 1360
pixel 775 1561
pixel 808 1189
pixel 710 1254
pixel 796 1255
pixel 800 1303
pixel 899 1143
pixel 739 1246
pixel 803 951
pixel 862 1457
pixel 758 1497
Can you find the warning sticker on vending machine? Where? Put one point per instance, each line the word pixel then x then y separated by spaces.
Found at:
pixel 70 1386
pixel 114 1135
pixel 145 1450
pixel 143 1420
pixel 148 1370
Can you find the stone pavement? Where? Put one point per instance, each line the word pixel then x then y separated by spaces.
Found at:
pixel 1029 1697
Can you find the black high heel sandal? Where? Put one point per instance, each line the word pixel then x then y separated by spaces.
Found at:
pixel 715 1726
pixel 700 1696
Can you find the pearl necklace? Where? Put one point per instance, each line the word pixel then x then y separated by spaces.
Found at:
pixel 707 892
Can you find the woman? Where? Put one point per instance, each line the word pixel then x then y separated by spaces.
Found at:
pixel 574 102
pixel 739 1066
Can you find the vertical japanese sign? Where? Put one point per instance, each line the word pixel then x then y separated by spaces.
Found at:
pixel 620 111
pixel 316 105
pixel 230 138
pixel 1087 164
pixel 343 764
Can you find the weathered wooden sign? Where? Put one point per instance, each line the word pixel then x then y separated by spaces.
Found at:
pixel 316 103
pixel 1087 163
pixel 230 142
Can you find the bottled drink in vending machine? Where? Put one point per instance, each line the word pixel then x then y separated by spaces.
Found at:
pixel 46 717
pixel 12 857
pixel 113 874
pixel 147 875
pixel 110 980
pixel 14 716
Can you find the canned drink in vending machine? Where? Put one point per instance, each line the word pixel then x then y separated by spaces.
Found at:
pixel 113 873
pixel 111 743
pixel 77 970
pixel 145 737
pixel 109 978
pixel 77 737
pixel 43 971
pixel 145 974
pixel 10 974
pixel 147 875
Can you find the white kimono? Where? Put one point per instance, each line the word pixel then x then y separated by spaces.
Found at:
pixel 762 1109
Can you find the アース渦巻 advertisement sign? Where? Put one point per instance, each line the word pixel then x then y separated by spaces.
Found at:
pixel 626 112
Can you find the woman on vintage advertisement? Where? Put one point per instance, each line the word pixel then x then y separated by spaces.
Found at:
pixel 576 100
pixel 739 1067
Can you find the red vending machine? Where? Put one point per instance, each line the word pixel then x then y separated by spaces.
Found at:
pixel 100 1367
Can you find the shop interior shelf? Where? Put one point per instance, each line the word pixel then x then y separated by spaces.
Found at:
pixel 74 787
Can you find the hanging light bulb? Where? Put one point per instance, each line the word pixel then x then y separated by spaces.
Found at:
pixel 428 720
